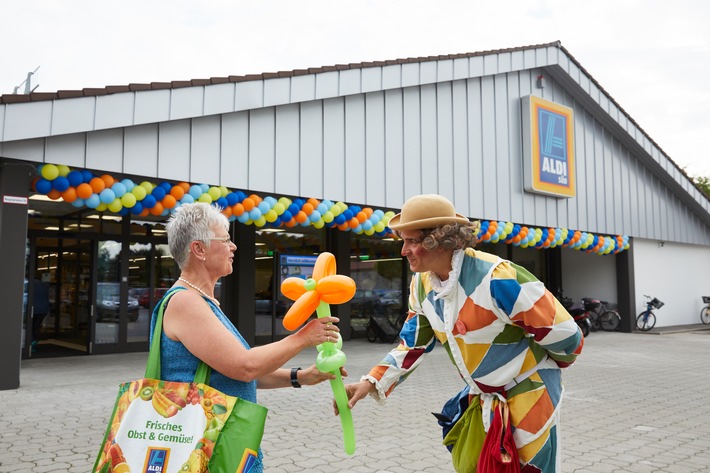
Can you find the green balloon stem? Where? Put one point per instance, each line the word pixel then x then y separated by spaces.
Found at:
pixel 341 397
pixel 346 416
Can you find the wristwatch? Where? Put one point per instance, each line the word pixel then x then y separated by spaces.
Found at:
pixel 294 377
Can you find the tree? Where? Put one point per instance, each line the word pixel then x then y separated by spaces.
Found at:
pixel 703 183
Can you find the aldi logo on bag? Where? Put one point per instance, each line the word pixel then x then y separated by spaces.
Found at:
pixel 156 460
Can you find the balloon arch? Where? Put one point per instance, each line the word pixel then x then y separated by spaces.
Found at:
pixel 82 188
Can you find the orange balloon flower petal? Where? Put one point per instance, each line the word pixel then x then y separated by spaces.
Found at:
pixel 293 288
pixel 336 289
pixel 325 266
pixel 301 310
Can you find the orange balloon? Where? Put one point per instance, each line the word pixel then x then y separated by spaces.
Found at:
pixel 314 202
pixel 368 211
pixel 69 195
pixel 354 222
pixel 301 216
pixel 291 223
pixel 144 213
pixel 343 226
pixel 293 288
pixel 185 187
pixel 248 204
pixel 325 265
pixel 108 180
pixel 361 217
pixel 237 209
pixel 256 199
pixel 54 194
pixel 227 211
pixel 336 289
pixel 177 192
pixel 84 190
pixel 301 310
pixel 307 208
pixel 97 184
pixel 157 209
pixel 169 201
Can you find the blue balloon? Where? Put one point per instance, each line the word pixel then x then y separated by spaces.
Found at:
pixel 93 201
pixel 232 199
pixel 204 188
pixel 243 218
pixel 43 186
pixel 195 191
pixel 340 219
pixel 149 202
pixel 86 175
pixel 78 203
pixel 240 196
pixel 348 214
pixel 264 206
pixel 159 193
pixel 129 184
pixel 166 186
pixel 254 214
pixel 222 203
pixel 137 208
pixel 286 216
pixel 119 189
pixel 107 196
pixel 187 199
pixel 75 178
pixel 294 209
pixel 314 216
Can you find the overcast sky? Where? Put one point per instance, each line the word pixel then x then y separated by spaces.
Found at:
pixel 651 56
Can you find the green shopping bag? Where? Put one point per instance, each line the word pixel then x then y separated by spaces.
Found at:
pixel 169 427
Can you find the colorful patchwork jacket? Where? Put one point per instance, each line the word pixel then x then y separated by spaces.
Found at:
pixel 507 335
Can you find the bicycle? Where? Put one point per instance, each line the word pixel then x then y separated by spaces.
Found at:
pixel 601 316
pixel 705 312
pixel 646 320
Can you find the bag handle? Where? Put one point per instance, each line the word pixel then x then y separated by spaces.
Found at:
pixel 152 368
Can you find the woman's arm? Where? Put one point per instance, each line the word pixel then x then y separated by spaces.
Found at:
pixel 189 320
pixel 306 377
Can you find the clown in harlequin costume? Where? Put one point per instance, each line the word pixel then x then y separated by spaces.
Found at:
pixel 504 331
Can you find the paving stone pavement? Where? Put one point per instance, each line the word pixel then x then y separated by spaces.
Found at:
pixel 633 403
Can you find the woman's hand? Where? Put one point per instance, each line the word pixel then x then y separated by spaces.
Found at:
pixel 355 392
pixel 319 331
pixel 311 376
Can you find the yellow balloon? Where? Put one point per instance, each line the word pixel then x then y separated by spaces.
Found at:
pixel 115 206
pixel 271 215
pixel 223 191
pixel 147 186
pixel 63 170
pixel 205 198
pixel 260 222
pixel 50 172
pixel 128 200
pixel 214 193
pixel 140 192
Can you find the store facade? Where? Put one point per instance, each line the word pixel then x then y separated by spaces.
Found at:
pixel 326 156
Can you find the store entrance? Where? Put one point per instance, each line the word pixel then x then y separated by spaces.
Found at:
pixel 57 306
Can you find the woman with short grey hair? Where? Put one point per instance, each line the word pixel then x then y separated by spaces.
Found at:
pixel 195 328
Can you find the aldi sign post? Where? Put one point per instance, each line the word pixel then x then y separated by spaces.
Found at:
pixel 548 135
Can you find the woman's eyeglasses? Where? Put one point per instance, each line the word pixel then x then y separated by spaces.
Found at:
pixel 226 239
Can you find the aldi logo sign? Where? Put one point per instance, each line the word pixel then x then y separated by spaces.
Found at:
pixel 156 460
pixel 548 134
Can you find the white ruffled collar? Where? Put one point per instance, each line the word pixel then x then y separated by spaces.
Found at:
pixel 444 288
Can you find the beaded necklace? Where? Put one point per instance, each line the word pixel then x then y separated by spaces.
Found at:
pixel 198 289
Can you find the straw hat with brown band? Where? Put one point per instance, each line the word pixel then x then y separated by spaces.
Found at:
pixel 426 211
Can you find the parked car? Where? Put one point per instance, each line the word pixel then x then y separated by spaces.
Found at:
pixel 108 303
pixel 158 293
pixel 365 303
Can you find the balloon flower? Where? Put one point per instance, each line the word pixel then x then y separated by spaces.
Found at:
pixel 316 294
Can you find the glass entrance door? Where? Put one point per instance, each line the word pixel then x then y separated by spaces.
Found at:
pixel 58 297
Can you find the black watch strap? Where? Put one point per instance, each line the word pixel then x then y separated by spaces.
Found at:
pixel 294 377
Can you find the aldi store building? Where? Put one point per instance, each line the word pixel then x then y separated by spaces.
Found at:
pixel 524 140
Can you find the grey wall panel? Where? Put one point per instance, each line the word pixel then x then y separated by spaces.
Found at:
pixel 505 63
pixel 249 95
pixel 355 149
pixel 517 60
pixel 525 85
pixel 113 111
pixel 174 150
pixel 490 65
pixel 262 150
pixel 67 149
pixel 371 79
pixel 394 148
pixel 489 189
pixel 141 150
pixel 427 72
pixel 187 102
pixel 288 172
pixel 28 150
pixel 375 149
pixel 334 149
pixel 460 69
pixel 350 82
pixel 444 70
pixel 73 115
pixel 235 150
pixel 459 128
pixel 277 91
pixel 412 171
pixel 104 150
pixel 410 74
pixel 152 106
pixel 219 98
pixel 303 88
pixel 515 148
pixel 475 148
pixel 502 154
pixel 428 138
pixel 392 77
pixel 28 120
pixel 311 154
pixel 205 149
pixel 327 85
pixel 444 142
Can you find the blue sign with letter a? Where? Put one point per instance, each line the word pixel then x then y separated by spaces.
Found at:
pixel 156 460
